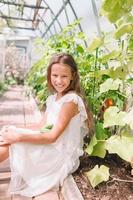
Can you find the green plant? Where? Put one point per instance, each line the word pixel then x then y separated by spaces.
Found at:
pixel 115 75
pixel 106 69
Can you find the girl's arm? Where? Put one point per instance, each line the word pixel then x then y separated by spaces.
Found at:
pixel 68 111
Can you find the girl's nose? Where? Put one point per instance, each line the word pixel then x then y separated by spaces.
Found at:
pixel 59 79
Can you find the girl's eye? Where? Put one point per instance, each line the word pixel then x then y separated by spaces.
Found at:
pixel 54 75
pixel 64 76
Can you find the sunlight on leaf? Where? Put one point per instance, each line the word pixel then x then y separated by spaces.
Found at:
pixel 112 55
pixel 126 28
pixel 98 175
pixel 113 116
pixel 110 84
pixel 121 145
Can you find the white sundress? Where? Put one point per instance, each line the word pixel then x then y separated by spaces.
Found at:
pixel 36 169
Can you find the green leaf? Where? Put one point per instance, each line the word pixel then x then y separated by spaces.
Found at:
pixel 99 149
pixel 91 145
pixel 112 117
pixel 121 145
pixel 101 133
pixel 79 49
pixel 107 5
pixel 119 72
pixel 110 84
pixel 98 175
pixel 130 66
pixel 130 44
pixel 126 28
pixel 114 10
pixel 96 43
pixel 111 55
pixel 125 19
pixel 46 128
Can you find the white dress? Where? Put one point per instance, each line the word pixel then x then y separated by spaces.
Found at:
pixel 36 169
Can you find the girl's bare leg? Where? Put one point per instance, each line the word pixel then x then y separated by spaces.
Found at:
pixel 4 152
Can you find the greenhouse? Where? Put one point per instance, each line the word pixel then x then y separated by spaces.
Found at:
pixel 66 100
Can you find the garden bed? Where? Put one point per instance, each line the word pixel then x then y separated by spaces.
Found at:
pixel 119 186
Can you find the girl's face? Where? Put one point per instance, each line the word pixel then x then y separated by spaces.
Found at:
pixel 61 76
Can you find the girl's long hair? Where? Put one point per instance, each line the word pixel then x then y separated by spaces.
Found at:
pixel 68 60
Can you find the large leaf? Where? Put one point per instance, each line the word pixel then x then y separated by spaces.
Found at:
pixel 98 175
pixel 110 84
pixel 99 149
pixel 120 72
pixel 113 116
pixel 91 145
pixel 121 145
pixel 114 10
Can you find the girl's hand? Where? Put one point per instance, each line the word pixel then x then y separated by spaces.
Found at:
pixel 9 135
pixel 2 142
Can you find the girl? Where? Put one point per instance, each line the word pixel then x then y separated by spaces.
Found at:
pixel 41 159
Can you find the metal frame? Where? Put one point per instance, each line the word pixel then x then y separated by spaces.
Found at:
pixel 56 16
pixel 53 13
pixel 18 27
pixel 16 18
pixel 36 18
pixel 23 5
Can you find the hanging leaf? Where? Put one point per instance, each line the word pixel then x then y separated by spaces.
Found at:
pixel 111 55
pixel 112 117
pixel 96 43
pixel 98 175
pixel 126 28
pixel 121 145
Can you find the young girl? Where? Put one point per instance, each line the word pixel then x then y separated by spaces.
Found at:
pixel 41 159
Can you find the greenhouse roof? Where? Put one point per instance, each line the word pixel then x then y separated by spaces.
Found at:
pixel 47 17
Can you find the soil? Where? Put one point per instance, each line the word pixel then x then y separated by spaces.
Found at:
pixel 118 187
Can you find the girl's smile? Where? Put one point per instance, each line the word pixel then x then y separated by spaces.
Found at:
pixel 61 77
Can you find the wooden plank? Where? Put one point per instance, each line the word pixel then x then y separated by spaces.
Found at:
pixel 4 195
pixel 5 177
pixel 18 197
